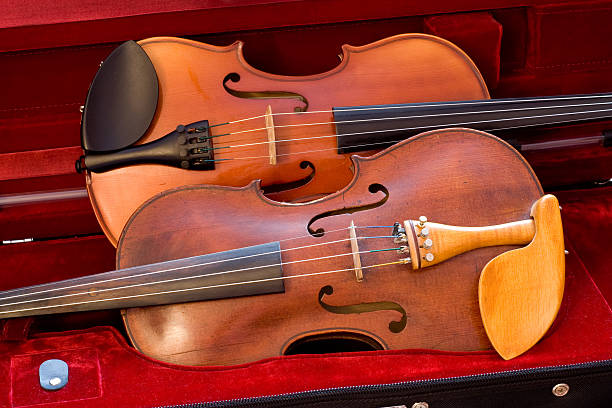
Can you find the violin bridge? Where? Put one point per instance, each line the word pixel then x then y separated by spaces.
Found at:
pixel 355 251
pixel 271 135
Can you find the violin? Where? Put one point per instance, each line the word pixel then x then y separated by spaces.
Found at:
pixel 443 241
pixel 204 110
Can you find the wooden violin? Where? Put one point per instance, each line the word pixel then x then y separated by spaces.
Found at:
pixel 230 276
pixel 233 123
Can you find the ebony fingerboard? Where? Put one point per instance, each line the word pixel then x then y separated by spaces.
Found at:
pixel 254 270
pixel 378 126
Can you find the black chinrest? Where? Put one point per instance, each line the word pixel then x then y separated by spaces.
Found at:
pixel 121 101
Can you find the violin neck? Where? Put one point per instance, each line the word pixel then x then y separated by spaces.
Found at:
pixel 240 272
pixel 374 127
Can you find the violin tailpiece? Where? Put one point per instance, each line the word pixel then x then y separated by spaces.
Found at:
pixel 188 147
pixel 431 243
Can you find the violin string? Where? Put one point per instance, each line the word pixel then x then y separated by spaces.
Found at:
pixel 202 287
pixel 365 145
pixel 427 105
pixel 184 267
pixel 383 131
pixel 4 292
pixel 182 278
pixel 312 259
pixel 410 117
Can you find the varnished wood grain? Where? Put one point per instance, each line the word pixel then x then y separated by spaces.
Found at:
pixel 450 240
pixel 403 68
pixel 520 291
pixel 460 185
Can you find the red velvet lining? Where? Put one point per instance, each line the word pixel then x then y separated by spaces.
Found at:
pixel 120 21
pixel 48 220
pixel 84 381
pixel 565 166
pixel 38 262
pixel 572 37
pixel 587 216
pixel 20 13
pixel 477 32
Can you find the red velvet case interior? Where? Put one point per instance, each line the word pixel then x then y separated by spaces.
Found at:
pixel 46 64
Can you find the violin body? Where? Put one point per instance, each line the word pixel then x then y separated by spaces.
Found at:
pixel 454 176
pixel 192 75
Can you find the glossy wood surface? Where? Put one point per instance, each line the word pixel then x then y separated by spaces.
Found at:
pixel 520 291
pixel 459 184
pixel 404 68
pixel 448 241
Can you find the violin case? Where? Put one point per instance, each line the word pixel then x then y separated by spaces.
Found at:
pixel 49 54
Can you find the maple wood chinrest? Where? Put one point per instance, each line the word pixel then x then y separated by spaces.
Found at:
pixel 520 291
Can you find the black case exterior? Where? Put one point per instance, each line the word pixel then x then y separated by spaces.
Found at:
pixel 579 385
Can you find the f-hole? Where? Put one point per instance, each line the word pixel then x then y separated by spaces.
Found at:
pixel 235 77
pixel 277 188
pixel 373 188
pixel 336 342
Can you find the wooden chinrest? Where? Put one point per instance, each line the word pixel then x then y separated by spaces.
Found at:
pixel 520 291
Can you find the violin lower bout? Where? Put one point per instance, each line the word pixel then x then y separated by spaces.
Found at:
pixel 382 312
